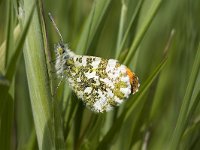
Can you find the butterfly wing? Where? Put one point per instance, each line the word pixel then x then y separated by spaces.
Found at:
pixel 101 84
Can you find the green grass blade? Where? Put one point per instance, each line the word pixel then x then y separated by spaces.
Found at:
pixel 150 15
pixel 16 33
pixel 10 29
pixel 17 53
pixel 6 122
pixel 92 24
pixel 23 114
pixel 191 136
pixel 6 100
pixel 130 106
pixel 77 124
pixel 38 81
pixel 94 124
pixel 69 117
pixel 4 86
pixel 132 24
pixel 57 120
pixel 121 25
pixel 182 118
pixel 193 106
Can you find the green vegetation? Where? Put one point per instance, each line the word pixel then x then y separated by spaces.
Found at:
pixel 159 40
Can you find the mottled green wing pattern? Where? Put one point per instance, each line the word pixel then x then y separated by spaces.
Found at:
pixel 101 84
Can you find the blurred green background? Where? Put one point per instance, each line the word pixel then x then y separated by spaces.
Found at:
pixel 157 39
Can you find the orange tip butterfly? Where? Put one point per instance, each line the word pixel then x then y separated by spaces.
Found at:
pixel 101 84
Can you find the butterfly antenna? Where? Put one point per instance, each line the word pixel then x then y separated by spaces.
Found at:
pixel 55 26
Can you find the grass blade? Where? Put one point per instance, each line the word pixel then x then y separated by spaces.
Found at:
pixel 38 84
pixel 193 105
pixel 6 122
pixel 9 40
pixel 121 24
pixel 57 120
pixel 182 121
pixel 132 24
pixel 92 24
pixel 143 28
pixel 3 49
pixel 17 53
pixel 191 136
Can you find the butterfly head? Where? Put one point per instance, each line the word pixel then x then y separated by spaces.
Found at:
pixel 60 48
pixel 62 51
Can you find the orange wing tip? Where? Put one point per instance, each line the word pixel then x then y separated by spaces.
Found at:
pixel 134 81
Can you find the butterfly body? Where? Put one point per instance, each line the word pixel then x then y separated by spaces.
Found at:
pixel 100 83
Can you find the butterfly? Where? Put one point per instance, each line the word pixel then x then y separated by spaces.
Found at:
pixel 101 84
